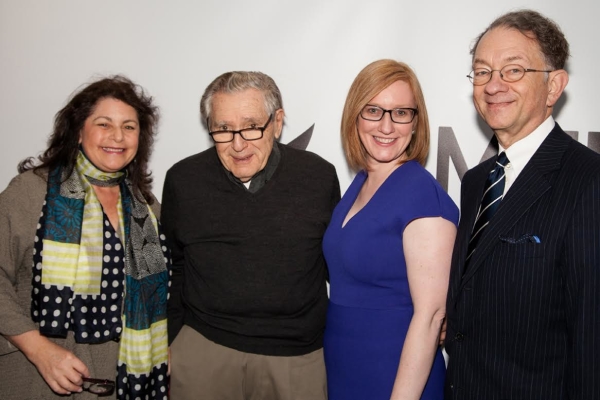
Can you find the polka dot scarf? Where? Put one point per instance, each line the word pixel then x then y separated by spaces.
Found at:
pixel 101 284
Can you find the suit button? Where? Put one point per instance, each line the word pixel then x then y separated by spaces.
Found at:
pixel 459 337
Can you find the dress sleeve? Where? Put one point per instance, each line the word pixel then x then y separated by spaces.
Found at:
pixel 423 197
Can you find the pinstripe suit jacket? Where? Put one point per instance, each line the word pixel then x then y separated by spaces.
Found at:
pixel 524 317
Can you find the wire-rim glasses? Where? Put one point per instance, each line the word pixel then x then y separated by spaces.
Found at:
pixel 398 115
pixel 248 134
pixel 508 73
pixel 100 387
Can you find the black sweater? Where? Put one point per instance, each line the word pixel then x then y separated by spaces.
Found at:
pixel 248 268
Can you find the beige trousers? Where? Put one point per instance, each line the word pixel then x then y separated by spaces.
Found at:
pixel 204 370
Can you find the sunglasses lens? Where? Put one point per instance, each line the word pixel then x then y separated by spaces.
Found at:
pixel 101 389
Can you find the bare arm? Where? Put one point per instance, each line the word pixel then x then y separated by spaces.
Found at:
pixel 428 246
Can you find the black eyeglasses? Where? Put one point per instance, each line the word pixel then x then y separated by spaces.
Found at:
pixel 398 115
pixel 100 387
pixel 252 133
pixel 508 73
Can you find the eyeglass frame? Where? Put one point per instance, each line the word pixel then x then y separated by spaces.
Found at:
pixel 414 110
pixel 240 132
pixel 471 75
pixel 99 382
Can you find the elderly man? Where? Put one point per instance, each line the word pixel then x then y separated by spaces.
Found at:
pixel 245 220
pixel 524 299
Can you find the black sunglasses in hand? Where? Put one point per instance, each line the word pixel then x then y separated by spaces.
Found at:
pixel 100 387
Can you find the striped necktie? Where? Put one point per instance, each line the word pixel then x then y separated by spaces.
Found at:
pixel 492 195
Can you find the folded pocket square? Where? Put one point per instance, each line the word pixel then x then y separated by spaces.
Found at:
pixel 526 238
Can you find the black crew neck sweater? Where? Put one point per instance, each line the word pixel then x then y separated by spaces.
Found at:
pixel 248 268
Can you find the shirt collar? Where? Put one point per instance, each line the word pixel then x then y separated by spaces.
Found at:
pixel 520 152
pixel 261 177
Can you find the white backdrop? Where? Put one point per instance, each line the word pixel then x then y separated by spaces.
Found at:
pixel 312 48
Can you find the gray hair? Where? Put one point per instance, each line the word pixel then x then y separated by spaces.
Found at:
pixel 238 81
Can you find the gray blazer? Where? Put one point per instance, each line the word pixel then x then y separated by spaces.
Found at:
pixel 20 207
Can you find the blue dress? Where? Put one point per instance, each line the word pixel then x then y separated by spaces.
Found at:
pixel 370 305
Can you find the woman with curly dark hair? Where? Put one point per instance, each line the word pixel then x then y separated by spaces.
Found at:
pixel 84 270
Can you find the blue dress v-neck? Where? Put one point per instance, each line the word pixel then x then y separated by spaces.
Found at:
pixel 370 304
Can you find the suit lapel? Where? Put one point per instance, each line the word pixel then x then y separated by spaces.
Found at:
pixel 470 201
pixel 531 184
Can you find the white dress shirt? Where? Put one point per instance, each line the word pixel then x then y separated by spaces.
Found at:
pixel 521 151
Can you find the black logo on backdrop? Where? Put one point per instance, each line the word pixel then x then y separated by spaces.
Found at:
pixel 449 150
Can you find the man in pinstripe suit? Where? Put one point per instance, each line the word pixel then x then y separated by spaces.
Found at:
pixel 523 310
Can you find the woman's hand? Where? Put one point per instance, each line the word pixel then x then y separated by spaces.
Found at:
pixel 61 370
pixel 443 332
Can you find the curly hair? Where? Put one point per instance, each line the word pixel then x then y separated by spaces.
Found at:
pixel 369 83
pixel 63 143
pixel 544 31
